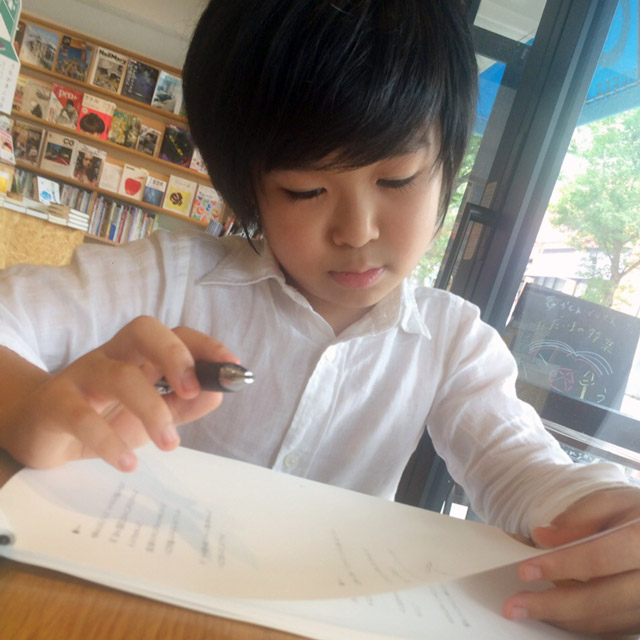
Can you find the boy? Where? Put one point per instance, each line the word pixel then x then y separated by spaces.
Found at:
pixel 335 129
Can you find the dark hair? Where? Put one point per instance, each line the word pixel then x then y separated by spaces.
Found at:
pixel 276 84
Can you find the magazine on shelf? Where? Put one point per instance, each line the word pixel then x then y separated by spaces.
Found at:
pixel 177 145
pixel 110 178
pixel 168 92
pixel 27 142
pixel 133 181
pixel 108 69
pixel 48 191
pixel 88 164
pixel 148 139
pixel 207 204
pixel 179 195
pixel 39 46
pixel 96 115
pixel 74 58
pixel 18 94
pixel 140 81
pixel 59 153
pixel 197 163
pixel 35 98
pixel 64 105
pixel 124 128
pixel 154 191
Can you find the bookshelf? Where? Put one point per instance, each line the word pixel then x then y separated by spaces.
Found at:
pixel 123 207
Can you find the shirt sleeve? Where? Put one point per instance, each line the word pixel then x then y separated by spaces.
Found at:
pixel 52 315
pixel 495 446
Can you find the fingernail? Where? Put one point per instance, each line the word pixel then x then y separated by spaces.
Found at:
pixel 127 461
pixel 189 381
pixel 518 613
pixel 531 572
pixel 169 436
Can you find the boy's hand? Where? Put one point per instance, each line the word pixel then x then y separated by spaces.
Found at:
pixel 597 583
pixel 105 404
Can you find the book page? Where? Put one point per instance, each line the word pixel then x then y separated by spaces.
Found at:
pixel 245 542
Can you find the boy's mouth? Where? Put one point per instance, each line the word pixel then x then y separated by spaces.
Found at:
pixel 357 279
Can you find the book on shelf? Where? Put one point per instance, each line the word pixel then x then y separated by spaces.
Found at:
pixel 59 153
pixel 177 145
pixel 18 94
pixel 74 58
pixel 207 204
pixel 120 222
pixel 27 142
pixel 133 181
pixel 148 139
pixel 124 128
pixel 76 197
pixel 140 81
pixel 233 539
pixel 88 164
pixel 168 92
pixel 108 69
pixel 48 191
pixel 179 195
pixel 197 163
pixel 154 191
pixel 95 116
pixel 39 46
pixel 35 98
pixel 7 155
pixel 64 105
pixel 110 178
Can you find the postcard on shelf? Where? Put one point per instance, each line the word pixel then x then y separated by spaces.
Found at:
pixel 110 178
pixel 177 145
pixel 108 69
pixel 39 46
pixel 27 142
pixel 125 128
pixel 168 93
pixel 140 81
pixel 88 165
pixel 59 153
pixel 74 58
pixel 154 191
pixel 48 191
pixel 64 105
pixel 96 115
pixel 148 139
pixel 207 204
pixel 35 98
pixel 197 163
pixel 233 539
pixel 133 181
pixel 179 195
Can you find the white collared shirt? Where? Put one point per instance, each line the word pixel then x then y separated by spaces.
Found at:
pixel 347 410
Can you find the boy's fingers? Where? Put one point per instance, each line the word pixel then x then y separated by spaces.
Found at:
pixel 611 553
pixel 601 605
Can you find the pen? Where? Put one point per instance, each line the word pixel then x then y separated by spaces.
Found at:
pixel 215 376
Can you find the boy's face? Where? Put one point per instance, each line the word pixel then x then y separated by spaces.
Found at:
pixel 347 238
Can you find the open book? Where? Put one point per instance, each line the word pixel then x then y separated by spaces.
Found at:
pixel 247 543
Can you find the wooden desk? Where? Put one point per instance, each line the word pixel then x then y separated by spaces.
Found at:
pixel 39 604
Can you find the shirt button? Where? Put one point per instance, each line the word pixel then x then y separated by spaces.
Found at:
pixel 291 461
pixel 330 353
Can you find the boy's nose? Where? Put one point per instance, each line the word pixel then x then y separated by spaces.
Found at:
pixel 355 226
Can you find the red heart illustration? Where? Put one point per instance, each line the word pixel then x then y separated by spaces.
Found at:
pixel 132 186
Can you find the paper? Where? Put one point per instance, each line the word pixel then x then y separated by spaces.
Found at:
pixel 240 541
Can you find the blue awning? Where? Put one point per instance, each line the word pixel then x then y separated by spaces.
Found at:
pixel 616 82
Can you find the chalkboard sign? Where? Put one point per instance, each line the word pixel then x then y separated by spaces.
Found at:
pixel 573 346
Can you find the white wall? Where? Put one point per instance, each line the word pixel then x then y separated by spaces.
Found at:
pixel 157 29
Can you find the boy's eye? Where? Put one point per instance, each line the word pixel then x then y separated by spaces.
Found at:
pixel 396 184
pixel 303 195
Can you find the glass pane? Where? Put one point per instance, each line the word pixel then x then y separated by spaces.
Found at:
pixel 511 25
pixel 576 325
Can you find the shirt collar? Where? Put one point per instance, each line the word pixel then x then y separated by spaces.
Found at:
pixel 243 265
